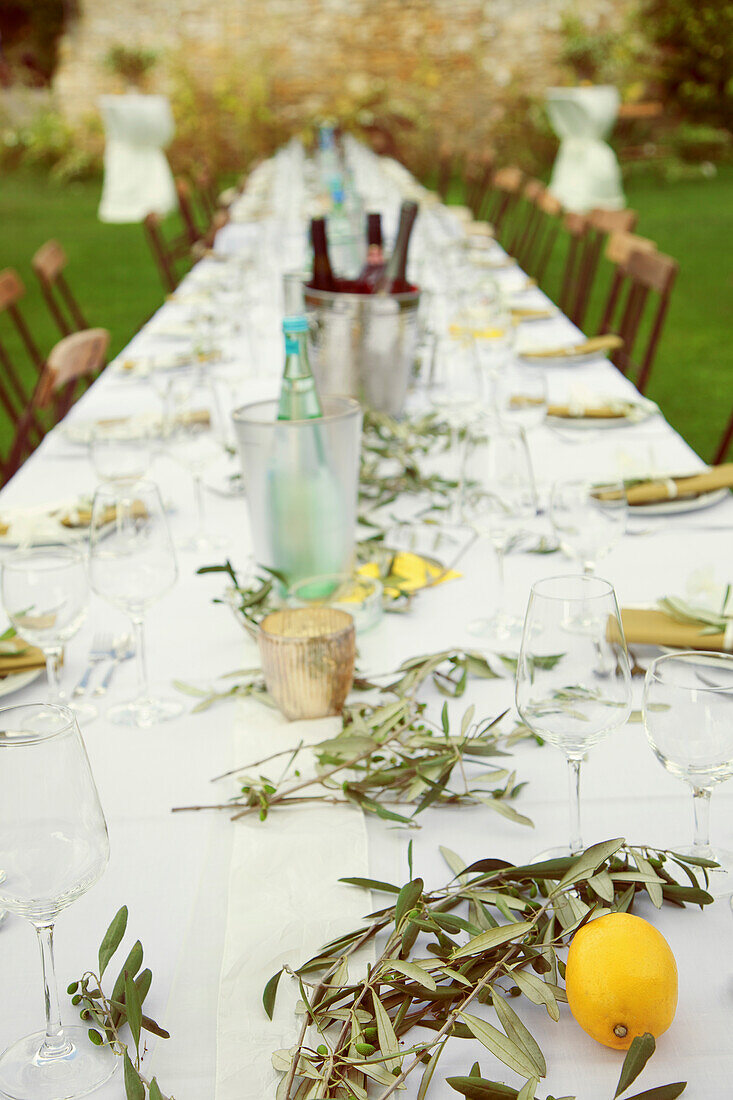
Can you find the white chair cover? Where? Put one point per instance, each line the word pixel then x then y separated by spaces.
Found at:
pixel 586 172
pixel 137 176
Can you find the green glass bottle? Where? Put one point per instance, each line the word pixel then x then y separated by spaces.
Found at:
pixel 298 396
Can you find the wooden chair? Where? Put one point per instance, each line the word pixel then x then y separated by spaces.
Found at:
pixel 643 273
pixel 601 224
pixel 502 198
pixel 479 168
pixel 587 234
pixel 446 164
pixel 48 264
pixel 167 254
pixel 206 194
pixel 535 237
pixel 77 357
pixel 725 441
pixel 191 230
pixel 14 395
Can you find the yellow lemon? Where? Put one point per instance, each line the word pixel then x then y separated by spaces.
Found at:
pixel 621 979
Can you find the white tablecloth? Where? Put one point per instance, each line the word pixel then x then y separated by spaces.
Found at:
pixel 173 871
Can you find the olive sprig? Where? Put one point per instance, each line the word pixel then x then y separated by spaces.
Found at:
pixel 491 935
pixel 108 1015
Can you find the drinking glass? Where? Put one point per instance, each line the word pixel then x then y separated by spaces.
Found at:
pixel 688 716
pixel 194 437
pixel 499 499
pixel 573 685
pixel 117 457
pixel 53 848
pixel 522 397
pixel 588 519
pixel 45 593
pixel 132 566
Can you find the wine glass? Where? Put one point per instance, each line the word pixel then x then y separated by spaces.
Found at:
pixel 573 685
pixel 132 566
pixel 53 848
pixel 588 519
pixel 116 456
pixel 522 397
pixel 688 716
pixel 194 437
pixel 45 593
pixel 499 499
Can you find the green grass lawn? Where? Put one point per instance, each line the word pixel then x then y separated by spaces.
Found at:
pixel 112 273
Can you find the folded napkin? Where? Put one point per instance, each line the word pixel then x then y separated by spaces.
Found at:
pixel 405 573
pixel 679 488
pixel 653 627
pixel 16 656
pixel 519 314
pixel 587 347
pixel 616 411
pixel 82 516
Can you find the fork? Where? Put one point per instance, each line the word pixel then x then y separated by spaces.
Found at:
pixel 101 649
pixel 122 649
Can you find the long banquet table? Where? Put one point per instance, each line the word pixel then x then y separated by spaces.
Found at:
pixel 219 906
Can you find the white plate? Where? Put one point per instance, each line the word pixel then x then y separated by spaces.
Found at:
pixel 14 681
pixel 560 360
pixel 641 411
pixel 674 507
pixel 83 431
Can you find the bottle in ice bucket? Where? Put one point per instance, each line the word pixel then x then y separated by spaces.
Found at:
pixel 308 531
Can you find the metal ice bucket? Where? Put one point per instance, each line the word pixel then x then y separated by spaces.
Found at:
pixel 364 345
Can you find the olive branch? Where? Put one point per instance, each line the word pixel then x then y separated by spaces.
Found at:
pixel 387 751
pixel 109 1015
pixel 435 963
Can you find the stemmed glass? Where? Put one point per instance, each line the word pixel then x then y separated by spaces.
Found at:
pixel 499 499
pixel 45 593
pixel 53 848
pixel 132 566
pixel 194 437
pixel 588 519
pixel 119 457
pixel 522 397
pixel 688 716
pixel 573 685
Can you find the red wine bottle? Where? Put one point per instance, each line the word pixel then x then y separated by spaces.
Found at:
pixel 322 278
pixel 393 279
pixel 373 269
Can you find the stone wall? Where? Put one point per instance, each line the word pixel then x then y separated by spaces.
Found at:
pixel 447 65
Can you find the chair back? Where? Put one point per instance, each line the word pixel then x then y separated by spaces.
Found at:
pixel 14 395
pixel 165 255
pixel 185 209
pixel 646 275
pixel 587 239
pixel 78 356
pixel 506 189
pixel 725 441
pixel 48 264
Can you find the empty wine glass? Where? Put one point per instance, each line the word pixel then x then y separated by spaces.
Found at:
pixel 588 519
pixel 53 848
pixel 573 685
pixel 132 566
pixel 522 397
pixel 456 387
pixel 45 593
pixel 120 457
pixel 499 500
pixel 194 437
pixel 688 716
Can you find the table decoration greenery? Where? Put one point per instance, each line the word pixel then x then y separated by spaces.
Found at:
pixel 387 751
pixel 109 1014
pixel 432 964
pixel 709 621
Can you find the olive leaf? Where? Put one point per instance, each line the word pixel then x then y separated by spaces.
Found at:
pixel 112 939
pixel 641 1049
